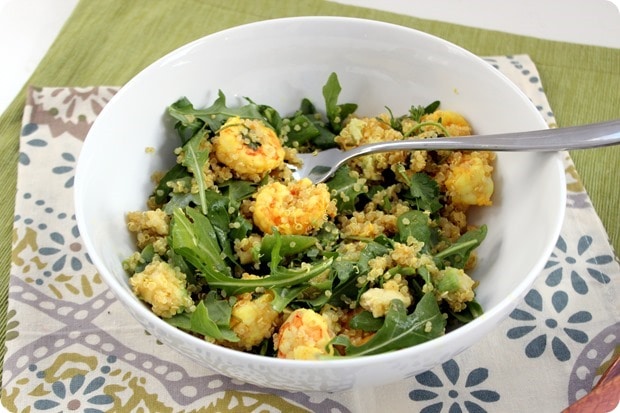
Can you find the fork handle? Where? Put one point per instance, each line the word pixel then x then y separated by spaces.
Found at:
pixel 545 140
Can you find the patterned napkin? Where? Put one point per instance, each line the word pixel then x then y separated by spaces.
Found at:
pixel 71 346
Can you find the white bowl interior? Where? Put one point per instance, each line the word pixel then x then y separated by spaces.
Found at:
pixel 279 62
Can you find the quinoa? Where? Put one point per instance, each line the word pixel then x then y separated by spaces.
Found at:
pixel 348 242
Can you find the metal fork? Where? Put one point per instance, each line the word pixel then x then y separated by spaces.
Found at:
pixel 321 165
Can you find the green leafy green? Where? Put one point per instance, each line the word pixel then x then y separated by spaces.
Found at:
pixel 283 296
pixel 325 137
pixel 372 250
pixel 416 112
pixel 290 244
pixel 162 190
pixel 400 330
pixel 395 123
pixel 211 318
pixel 180 200
pixel 187 125
pixel 196 157
pixel 301 130
pixel 215 115
pixel 146 256
pixel 196 241
pixel 457 254
pixel 311 270
pixel 218 207
pixel 471 312
pixel 365 321
pixel 344 287
pixel 237 191
pixel 416 224
pixel 347 188
pixel 241 227
pixel 423 190
pixel 279 277
pixel 336 113
pixel 269 115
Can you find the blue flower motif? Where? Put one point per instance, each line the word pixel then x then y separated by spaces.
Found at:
pixel 66 169
pixel 27 130
pixel 77 395
pixel 565 261
pixel 456 395
pixel 549 325
pixel 67 247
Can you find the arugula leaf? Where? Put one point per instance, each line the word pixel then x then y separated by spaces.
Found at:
pixel 283 296
pixel 241 227
pixel 471 312
pixel 302 130
pixel 347 189
pixel 196 157
pixel 197 242
pixel 180 200
pixel 400 330
pixel 344 280
pixel 279 277
pixel 187 124
pixel 290 244
pixel 343 269
pixel 426 275
pixel 365 321
pixel 325 137
pixel 162 190
pixel 336 113
pixel 215 115
pixel 211 318
pixel 217 206
pixel 372 250
pixel 345 275
pixel 328 237
pixel 270 116
pixel 176 260
pixel 417 284
pixel 457 254
pixel 237 191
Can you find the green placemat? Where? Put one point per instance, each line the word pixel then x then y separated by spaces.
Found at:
pixel 106 43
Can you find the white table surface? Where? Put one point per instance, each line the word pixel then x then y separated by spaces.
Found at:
pixel 29 27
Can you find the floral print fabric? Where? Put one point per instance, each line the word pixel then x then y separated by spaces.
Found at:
pixel 71 347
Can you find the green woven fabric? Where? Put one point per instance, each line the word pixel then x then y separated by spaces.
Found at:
pixel 106 43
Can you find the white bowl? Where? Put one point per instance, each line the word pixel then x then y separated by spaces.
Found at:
pixel 279 62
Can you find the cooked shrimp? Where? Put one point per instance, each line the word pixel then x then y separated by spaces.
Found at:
pixel 469 178
pixel 455 124
pixel 296 208
pixel 248 147
pixel 304 335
